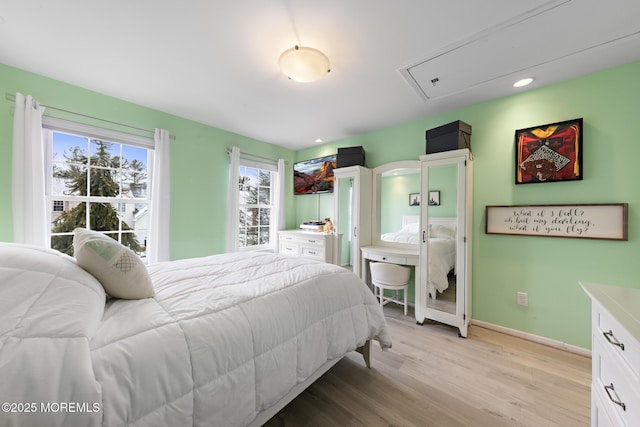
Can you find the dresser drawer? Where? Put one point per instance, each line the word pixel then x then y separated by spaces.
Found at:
pixel 288 238
pixel 619 341
pixel 315 241
pixel 612 384
pixel 288 248
pixel 393 259
pixel 304 239
pixel 602 414
pixel 313 252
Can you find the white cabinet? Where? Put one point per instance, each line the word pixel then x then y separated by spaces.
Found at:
pixel 443 287
pixel 308 244
pixel 352 213
pixel 615 381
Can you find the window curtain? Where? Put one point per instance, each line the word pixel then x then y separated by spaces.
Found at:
pixel 160 207
pixel 30 213
pixel 279 201
pixel 233 200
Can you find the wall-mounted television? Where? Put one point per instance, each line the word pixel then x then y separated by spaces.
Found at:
pixel 314 176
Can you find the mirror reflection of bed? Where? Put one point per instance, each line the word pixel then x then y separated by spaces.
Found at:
pixel 445 301
pixel 442 257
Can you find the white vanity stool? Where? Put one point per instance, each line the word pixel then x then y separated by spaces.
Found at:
pixel 393 277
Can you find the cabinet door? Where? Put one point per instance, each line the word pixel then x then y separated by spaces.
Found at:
pixel 444 249
pixel 352 204
pixel 344 218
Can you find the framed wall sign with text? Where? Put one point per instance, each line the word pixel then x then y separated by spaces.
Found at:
pixel 591 221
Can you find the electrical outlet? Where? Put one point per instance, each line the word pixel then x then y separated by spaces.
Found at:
pixel 522 298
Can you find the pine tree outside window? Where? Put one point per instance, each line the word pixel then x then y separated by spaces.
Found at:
pixel 256 187
pixel 103 184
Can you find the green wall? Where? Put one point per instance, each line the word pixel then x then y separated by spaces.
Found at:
pixel 445 180
pixel 547 268
pixel 199 161
pixel 394 200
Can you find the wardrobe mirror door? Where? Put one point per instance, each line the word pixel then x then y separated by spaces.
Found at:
pixel 345 219
pixel 442 253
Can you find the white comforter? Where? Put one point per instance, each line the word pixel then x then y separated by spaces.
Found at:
pixel 442 258
pixel 401 237
pixel 224 338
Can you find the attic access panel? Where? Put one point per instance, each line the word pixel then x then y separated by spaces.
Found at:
pixel 536 37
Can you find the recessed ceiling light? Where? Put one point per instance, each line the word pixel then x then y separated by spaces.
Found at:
pixel 319 140
pixel 523 82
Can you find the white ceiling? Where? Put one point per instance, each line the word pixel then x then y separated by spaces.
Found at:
pixel 216 61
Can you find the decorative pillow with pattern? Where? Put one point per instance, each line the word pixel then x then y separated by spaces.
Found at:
pixel 120 271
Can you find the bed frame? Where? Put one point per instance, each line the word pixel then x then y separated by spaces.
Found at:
pixel 268 413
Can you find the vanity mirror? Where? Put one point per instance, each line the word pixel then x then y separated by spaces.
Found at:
pixel 396 207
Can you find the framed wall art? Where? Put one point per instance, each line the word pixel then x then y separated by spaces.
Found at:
pixel 414 199
pixel 434 198
pixel 549 153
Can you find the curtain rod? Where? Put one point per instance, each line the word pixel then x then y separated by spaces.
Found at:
pixel 12 98
pixel 242 153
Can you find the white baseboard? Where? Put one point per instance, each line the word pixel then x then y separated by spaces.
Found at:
pixel 535 338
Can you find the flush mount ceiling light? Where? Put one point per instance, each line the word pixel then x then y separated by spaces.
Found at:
pixel 304 64
pixel 523 82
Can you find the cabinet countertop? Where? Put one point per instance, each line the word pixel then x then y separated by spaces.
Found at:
pixel 306 232
pixel 622 303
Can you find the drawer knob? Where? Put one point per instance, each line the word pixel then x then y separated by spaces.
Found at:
pixel 384 258
pixel 609 389
pixel 612 339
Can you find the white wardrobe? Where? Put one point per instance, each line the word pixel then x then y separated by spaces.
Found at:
pixel 444 295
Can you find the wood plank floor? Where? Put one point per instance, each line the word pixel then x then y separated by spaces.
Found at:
pixel 431 377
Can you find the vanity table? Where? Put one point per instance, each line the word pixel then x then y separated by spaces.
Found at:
pixel 403 256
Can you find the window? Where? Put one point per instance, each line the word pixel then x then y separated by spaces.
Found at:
pixel 58 205
pixel 256 186
pixel 97 182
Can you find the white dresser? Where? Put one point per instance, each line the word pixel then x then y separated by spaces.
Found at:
pixel 615 386
pixel 308 244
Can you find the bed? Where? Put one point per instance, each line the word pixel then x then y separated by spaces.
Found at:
pixel 226 340
pixel 442 247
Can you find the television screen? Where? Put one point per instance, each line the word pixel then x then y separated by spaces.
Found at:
pixel 314 176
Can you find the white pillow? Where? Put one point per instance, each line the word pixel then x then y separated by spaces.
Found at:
pixel 120 271
pixel 413 228
pixel 438 231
